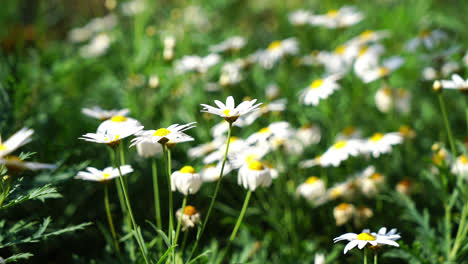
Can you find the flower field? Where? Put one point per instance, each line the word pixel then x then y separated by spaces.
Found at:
pixel 230 131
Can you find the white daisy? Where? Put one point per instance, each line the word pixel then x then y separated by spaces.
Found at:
pixel 319 89
pixel 109 173
pixel 310 162
pixel 368 36
pixel 460 166
pixel 228 111
pixel 349 132
pixel 196 63
pixel 388 66
pixel 369 181
pixel 309 134
pixel 186 180
pixel 111 139
pixel 361 215
pixel 148 148
pixel 457 82
pixel 367 58
pixel 99 113
pixel 344 17
pixel 280 129
pixel 211 172
pixel 299 17
pixel 173 134
pixel 427 38
pixel 247 155
pixel 253 175
pixel 96 47
pixel 312 189
pixel 381 143
pixel 384 99
pixel 343 213
pixel 277 50
pixel 235 145
pixel 189 217
pixel 363 239
pixel 340 151
pixel 20 138
pixel 15 165
pixel 275 106
pixel 231 44
pixel 117 123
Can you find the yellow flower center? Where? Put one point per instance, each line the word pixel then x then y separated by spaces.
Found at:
pixel 424 34
pixel 405 130
pixel 189 210
pixel 274 45
pixel 105 175
pixel 376 176
pixel 162 132
pixel 233 139
pixel 256 165
pixel 340 49
pixel 3 147
pixel 366 237
pixel 387 91
pixel 376 137
pixel 118 118
pixel 311 180
pixel 335 193
pixel 363 50
pixel 226 112
pixel 383 71
pixel 264 130
pixel 367 34
pixel 187 169
pixel 348 131
pixel 251 157
pixel 463 159
pixel 340 144
pixel 343 206
pixel 111 140
pixel 316 84
pixel 332 13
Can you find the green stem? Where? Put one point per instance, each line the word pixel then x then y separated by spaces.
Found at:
pixel 365 255
pixel 184 242
pixel 447 125
pixel 179 222
pixel 167 155
pixel 213 198
pixel 109 218
pixel 375 258
pixel 461 233
pixel 156 199
pixel 448 228
pixel 137 235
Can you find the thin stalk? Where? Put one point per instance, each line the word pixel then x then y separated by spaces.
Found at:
pixel 447 125
pixel 238 223
pixel 157 207
pixel 167 156
pixel 365 255
pixel 179 222
pixel 109 218
pixel 448 227
pixel 213 198
pixel 184 242
pixel 461 233
pixel 138 238
pixel 376 256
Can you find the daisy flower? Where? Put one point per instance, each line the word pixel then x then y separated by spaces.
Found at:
pixel 312 189
pixel 405 186
pixel 99 113
pixel 186 180
pixel 20 138
pixel 206 148
pixel 369 181
pixel 211 172
pixel 275 106
pixel 196 63
pixel 368 36
pixel 173 134
pixel 189 217
pixel 148 148
pixel 254 174
pixel 460 166
pixel 117 123
pixel 457 82
pixel 343 213
pixel 109 173
pixel 231 44
pixel 97 46
pixel 388 66
pixel 319 89
pixel 340 151
pixel 365 238
pixel 392 234
pixel 345 190
pixel 15 165
pixel 349 132
pixel 247 155
pixel 309 134
pixel 231 73
pixel 310 162
pixel 299 17
pixel 367 58
pixel 384 99
pixel 344 17
pixel 275 129
pixel 111 139
pixel 277 50
pixel 339 60
pixel 235 145
pixel 229 111
pixel 426 38
pixel 361 215
pixel 381 143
